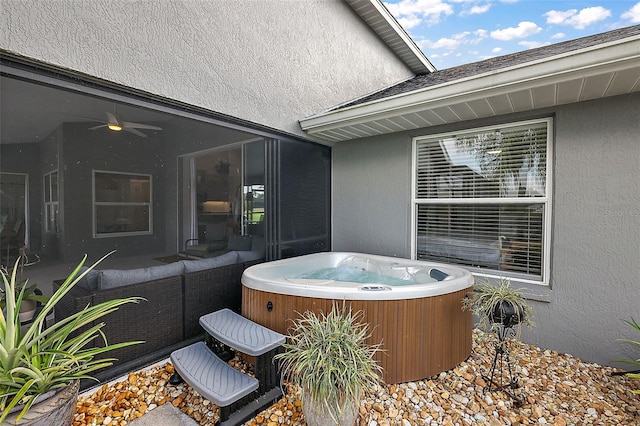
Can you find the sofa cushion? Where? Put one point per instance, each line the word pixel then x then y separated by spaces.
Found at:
pixel 91 281
pixel 198 265
pixel 229 258
pixel 111 278
pixel 224 259
pixel 250 255
pixel 239 242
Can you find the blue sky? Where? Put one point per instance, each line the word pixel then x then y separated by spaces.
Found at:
pixel 455 32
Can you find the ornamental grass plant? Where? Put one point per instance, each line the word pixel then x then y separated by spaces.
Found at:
pixel 41 359
pixel 327 355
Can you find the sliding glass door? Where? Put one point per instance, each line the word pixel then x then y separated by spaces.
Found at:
pixel 273 193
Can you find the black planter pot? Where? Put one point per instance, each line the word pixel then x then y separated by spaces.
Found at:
pixel 506 313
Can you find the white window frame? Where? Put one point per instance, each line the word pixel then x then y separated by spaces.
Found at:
pixel 545 200
pixel 51 206
pixel 97 204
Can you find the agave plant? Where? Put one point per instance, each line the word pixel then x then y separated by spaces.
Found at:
pixel 40 359
pixel 327 356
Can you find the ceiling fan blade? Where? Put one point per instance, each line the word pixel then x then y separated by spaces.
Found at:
pixel 130 125
pixel 97 127
pixel 112 119
pixel 134 131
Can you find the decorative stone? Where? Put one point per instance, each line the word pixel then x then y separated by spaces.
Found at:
pixel 559 390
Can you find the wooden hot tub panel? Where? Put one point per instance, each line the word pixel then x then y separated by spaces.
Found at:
pixel 420 337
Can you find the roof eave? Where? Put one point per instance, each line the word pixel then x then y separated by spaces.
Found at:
pixel 601 58
pixel 380 20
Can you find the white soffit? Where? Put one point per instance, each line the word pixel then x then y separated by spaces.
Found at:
pixel 376 15
pixel 603 70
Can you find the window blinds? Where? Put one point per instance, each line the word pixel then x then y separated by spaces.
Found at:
pixel 481 198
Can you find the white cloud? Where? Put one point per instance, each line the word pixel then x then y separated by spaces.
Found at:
pixel 577 20
pixel 476 10
pixel 532 44
pixel 411 13
pixel 409 22
pixel 479 36
pixel 449 43
pixel 558 36
pixel 632 14
pixel 524 29
pixel 496 50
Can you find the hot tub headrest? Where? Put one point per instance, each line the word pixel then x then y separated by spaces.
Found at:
pixel 437 274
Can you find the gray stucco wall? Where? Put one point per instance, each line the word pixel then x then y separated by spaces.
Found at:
pixel 596 220
pixel 271 62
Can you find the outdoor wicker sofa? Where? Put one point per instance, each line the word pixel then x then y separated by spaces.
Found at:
pixel 168 317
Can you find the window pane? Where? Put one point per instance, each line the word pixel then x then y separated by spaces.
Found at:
pixel 122 203
pixel 508 163
pixel 54 186
pixel 47 188
pixel 115 219
pixel 504 237
pixel 114 187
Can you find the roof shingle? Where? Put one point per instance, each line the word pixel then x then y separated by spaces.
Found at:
pixel 476 68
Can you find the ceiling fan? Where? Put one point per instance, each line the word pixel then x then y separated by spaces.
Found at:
pixel 116 125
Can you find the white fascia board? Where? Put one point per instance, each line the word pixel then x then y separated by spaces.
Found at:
pixel 411 45
pixel 606 57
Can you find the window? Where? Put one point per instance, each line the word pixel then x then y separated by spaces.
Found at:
pixel 50 188
pixel 481 199
pixel 121 204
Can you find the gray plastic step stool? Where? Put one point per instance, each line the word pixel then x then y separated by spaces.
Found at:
pixel 220 383
pixel 240 333
pixel 213 378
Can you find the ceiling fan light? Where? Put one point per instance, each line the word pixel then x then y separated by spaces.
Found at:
pixel 114 127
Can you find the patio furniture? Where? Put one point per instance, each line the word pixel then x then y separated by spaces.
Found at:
pixel 168 318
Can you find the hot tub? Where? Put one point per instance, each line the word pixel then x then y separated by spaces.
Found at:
pixel 414 307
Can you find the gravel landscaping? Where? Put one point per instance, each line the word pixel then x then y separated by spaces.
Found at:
pixel 555 389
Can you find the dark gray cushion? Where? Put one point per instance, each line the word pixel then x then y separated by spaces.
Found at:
pixel 91 281
pixel 198 265
pixel 240 242
pixel 111 278
pixel 224 259
pixel 248 256
pixel 229 258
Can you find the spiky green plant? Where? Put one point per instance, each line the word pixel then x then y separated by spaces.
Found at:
pixel 43 358
pixel 635 343
pixel 328 357
pixel 487 296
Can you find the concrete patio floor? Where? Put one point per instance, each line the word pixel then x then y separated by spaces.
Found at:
pixel 164 415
